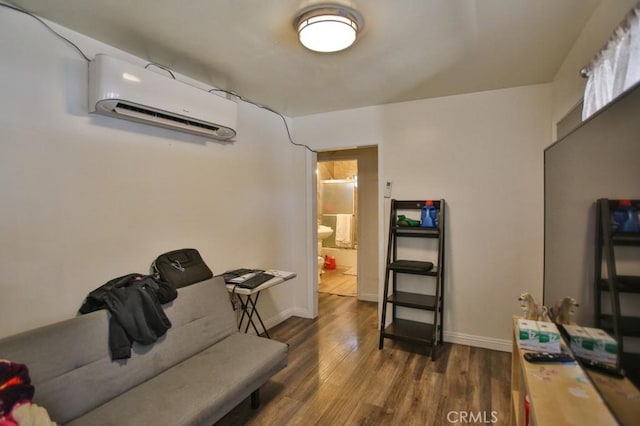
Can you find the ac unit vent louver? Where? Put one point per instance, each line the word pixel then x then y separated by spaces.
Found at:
pixel 145 112
pixel 122 90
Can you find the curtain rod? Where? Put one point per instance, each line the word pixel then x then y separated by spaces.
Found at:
pixel 625 24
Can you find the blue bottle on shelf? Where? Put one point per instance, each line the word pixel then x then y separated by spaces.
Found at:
pixel 429 215
pixel 625 217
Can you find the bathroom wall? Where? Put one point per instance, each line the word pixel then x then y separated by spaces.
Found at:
pixel 338 194
pixel 335 170
pixel 345 258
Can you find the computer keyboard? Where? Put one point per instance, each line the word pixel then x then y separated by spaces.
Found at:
pixel 237 276
pixel 256 280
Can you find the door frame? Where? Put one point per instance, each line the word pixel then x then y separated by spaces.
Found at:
pixel 377 205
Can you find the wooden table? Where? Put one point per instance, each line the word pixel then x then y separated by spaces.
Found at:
pixel 559 394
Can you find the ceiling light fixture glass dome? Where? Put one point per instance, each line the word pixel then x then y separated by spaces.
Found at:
pixel 328 27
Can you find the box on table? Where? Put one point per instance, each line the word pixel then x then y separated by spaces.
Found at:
pixel 592 343
pixel 538 336
pixel 580 342
pixel 605 347
pixel 549 337
pixel 528 334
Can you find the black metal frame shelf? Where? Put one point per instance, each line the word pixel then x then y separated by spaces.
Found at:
pixel 415 231
pixel 413 267
pixel 608 281
pixel 625 283
pixel 625 238
pixel 425 333
pixel 413 300
pixel 411 331
pixel 628 326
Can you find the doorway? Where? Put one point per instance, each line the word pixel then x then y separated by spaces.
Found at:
pixel 337 201
pixel 347 184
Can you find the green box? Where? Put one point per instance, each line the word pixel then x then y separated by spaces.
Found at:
pixel 528 334
pixel 605 347
pixel 548 337
pixel 581 342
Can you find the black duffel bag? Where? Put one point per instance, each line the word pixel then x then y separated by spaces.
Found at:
pixel 182 267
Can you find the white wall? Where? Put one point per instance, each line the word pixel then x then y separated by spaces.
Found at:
pixel 87 198
pixel 482 152
pixel 568 85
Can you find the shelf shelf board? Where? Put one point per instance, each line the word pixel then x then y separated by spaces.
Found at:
pixel 416 231
pixel 626 238
pixel 413 267
pixel 626 284
pixel 411 331
pixel 414 204
pixel 629 326
pixel 413 300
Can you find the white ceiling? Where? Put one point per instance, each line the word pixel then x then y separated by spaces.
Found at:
pixel 409 49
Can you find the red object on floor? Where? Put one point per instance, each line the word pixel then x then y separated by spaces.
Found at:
pixel 329 262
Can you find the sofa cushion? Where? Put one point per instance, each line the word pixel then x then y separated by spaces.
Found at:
pixel 198 391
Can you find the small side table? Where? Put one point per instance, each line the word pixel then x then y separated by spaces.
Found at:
pixel 249 299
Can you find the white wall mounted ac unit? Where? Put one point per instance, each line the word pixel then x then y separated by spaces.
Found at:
pixel 123 90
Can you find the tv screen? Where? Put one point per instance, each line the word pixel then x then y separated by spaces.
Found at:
pixel 599 159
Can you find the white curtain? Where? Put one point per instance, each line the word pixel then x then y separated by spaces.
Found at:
pixel 616 68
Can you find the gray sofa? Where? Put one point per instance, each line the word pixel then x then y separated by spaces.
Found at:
pixel 194 375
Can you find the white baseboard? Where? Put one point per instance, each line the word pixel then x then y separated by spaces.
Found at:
pixel 299 312
pixel 280 317
pixel 449 336
pixel 478 341
pixel 368 297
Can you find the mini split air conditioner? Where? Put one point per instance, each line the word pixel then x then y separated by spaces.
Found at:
pixel 123 90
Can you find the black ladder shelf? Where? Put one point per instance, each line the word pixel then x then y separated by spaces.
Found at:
pixel 429 334
pixel 617 286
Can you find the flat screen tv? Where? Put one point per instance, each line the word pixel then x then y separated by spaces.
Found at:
pixel 598 159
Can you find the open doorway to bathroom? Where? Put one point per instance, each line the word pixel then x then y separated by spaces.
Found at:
pixel 355 172
pixel 337 217
pixel 367 227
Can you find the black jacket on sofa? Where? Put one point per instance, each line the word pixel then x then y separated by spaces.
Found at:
pixel 134 301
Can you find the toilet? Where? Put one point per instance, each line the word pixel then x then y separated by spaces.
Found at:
pixel 323 232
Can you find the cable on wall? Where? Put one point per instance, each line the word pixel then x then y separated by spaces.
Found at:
pixel 17 9
pixel 162 67
pixel 286 125
pixel 284 120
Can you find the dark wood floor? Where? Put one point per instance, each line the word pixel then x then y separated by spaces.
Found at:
pixel 337 376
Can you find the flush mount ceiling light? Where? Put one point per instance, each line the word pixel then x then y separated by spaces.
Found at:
pixel 328 27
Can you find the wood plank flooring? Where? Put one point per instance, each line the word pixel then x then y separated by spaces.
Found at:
pixel 335 281
pixel 337 376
